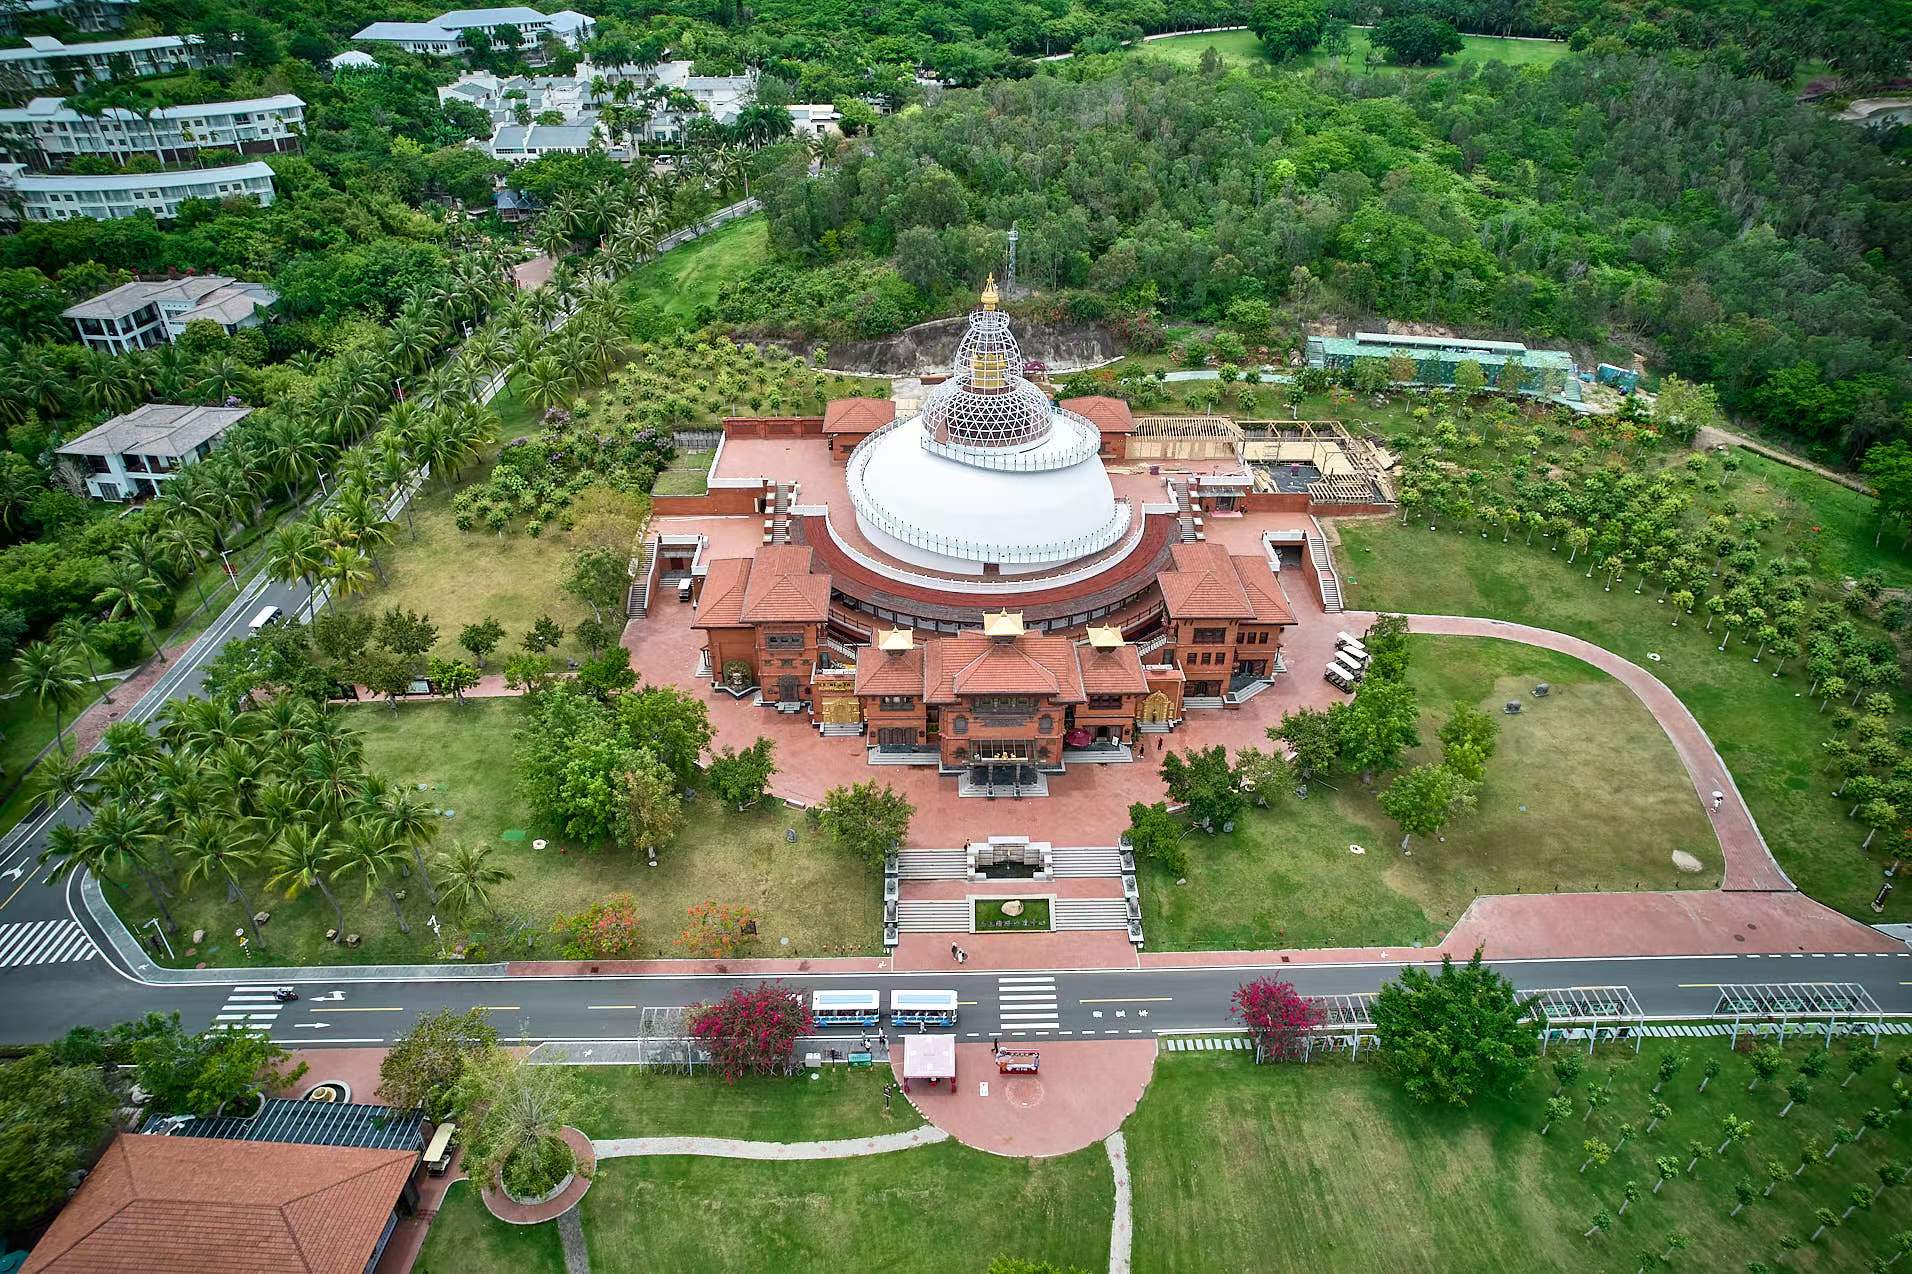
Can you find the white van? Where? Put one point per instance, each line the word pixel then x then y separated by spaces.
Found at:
pixel 266 618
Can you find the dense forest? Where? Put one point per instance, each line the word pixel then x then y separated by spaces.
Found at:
pixel 1706 221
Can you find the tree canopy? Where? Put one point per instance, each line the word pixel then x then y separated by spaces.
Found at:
pixel 1457 1035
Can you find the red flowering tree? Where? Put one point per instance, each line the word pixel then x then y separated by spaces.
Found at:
pixel 717 930
pixel 753 1030
pixel 607 931
pixel 1277 1016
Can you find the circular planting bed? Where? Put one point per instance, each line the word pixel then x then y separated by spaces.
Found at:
pixel 539 1173
pixel 332 1090
pixel 561 1181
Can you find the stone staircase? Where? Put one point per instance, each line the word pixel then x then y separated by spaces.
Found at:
pixel 967 786
pixel 933 864
pixel 1186 515
pixel 1085 860
pixel 840 729
pixel 1324 568
pixel 1089 913
pixel 933 915
pixel 778 501
pixel 638 599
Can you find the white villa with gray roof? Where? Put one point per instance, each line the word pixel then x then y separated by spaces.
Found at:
pixel 133 456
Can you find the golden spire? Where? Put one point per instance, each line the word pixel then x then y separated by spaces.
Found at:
pixel 990 296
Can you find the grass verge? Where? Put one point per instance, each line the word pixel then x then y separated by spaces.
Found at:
pixel 628 1101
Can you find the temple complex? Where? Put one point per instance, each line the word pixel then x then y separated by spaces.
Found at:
pixel 974 576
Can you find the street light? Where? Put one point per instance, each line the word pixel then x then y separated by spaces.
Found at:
pixel 153 921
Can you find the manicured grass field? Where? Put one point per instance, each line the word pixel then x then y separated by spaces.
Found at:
pixel 942 1207
pixel 1768 733
pixel 627 1101
pixel 466 1239
pixel 822 901
pixel 1329 1167
pixel 1242 48
pixel 688 474
pixel 686 279
pixel 1288 875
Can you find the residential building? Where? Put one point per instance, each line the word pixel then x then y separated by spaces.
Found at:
pixel 1878 112
pixel 90 16
pixel 1547 372
pixel 352 60
pixel 763 619
pixel 515 206
pixel 519 143
pixel 452 34
pixel 220 1207
pixel 47 62
pixel 131 457
pixel 48 130
pixel 815 119
pixel 145 313
pixel 28 196
pixel 1224 619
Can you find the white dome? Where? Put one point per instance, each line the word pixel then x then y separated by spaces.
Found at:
pixel 928 508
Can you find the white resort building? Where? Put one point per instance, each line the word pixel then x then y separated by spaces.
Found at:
pixel 145 313
pixel 92 16
pixel 46 128
pixel 450 34
pixel 28 196
pixel 131 457
pixel 46 62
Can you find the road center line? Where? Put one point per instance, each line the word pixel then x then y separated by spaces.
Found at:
pixel 608 1007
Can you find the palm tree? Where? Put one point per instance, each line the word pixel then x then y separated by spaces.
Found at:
pixel 350 571
pixel 295 552
pixel 78 635
pixel 300 859
pixel 185 543
pixel 129 591
pixel 213 846
pixel 63 778
pixel 412 823
pixel 120 838
pixel 466 875
pixel 52 676
pixel 372 853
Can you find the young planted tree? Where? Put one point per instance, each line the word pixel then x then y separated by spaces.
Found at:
pixel 1732 1130
pixel 1567 1069
pixel 482 638
pixel 1766 1063
pixel 740 779
pixel 1557 1108
pixel 1775 1173
pixel 1744 1192
pixel 1600 1224
pixel 866 820
pixel 1798 1093
pixel 1597 1152
pixel 1667 1167
pixel 1423 799
pixel 1708 1072
pixel 1670 1064
pixel 1861 1059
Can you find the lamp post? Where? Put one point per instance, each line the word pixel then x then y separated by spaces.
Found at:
pixel 153 922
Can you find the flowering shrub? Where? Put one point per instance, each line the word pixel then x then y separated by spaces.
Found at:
pixel 606 932
pixel 752 1030
pixel 717 929
pixel 1277 1016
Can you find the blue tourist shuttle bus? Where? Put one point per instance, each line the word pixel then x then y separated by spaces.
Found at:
pixel 846 1008
pixel 922 1008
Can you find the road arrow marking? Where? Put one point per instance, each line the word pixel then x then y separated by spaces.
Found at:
pixel 311 1026
pixel 14 872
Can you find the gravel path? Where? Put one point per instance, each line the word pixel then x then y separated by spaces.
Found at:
pixel 725 1148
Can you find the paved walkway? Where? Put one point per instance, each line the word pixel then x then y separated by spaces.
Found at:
pixel 577 1255
pixel 727 1148
pixel 1122 1225
pixel 1749 861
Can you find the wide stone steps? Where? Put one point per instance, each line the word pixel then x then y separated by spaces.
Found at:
pixel 1324 570
pixel 933 864
pixel 1084 861
pixel 1090 913
pixel 933 915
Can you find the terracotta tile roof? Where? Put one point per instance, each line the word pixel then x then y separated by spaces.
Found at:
pixel 721 603
pixel 971 664
pixel 223 1207
pixel 858 415
pixel 1204 585
pixel 1264 590
pixel 1110 415
pixel 1112 672
pixel 893 673
pixel 781 588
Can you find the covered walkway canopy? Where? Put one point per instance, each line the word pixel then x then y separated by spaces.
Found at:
pixel 1783 1008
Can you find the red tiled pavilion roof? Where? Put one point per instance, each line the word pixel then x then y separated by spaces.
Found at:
pixel 1110 415
pixel 1208 583
pixel 858 415
pixel 972 664
pixel 781 588
pixel 880 672
pixel 721 603
pixel 223 1207
pixel 1112 672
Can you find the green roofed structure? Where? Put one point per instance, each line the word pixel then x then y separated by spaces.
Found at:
pixel 1545 372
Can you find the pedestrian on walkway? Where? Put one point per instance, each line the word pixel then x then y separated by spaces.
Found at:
pixel 955 953
pixel 1719 798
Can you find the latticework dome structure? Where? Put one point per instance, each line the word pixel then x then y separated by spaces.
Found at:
pixel 990 475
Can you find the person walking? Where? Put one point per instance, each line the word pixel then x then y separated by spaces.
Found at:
pixel 1719 798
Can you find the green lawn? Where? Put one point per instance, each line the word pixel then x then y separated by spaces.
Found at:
pixel 686 279
pixel 466 1239
pixel 688 475
pixel 1242 48
pixel 1765 729
pixel 1329 1167
pixel 628 1101
pixel 1832 523
pixel 823 902
pixel 1289 877
pixel 937 1208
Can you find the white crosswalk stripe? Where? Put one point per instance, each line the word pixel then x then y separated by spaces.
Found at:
pixel 1027 1003
pixel 251 1009
pixel 44 942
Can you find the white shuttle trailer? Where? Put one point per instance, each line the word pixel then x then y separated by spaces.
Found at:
pixel 922 1008
pixel 846 1008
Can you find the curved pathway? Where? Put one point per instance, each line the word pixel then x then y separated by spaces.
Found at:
pixel 726 1148
pixel 1749 861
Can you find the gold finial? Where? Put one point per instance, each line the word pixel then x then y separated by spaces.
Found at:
pixel 990 296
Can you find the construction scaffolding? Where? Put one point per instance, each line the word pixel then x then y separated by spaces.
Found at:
pixel 1184 438
pixel 1787 1008
pixel 1317 457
